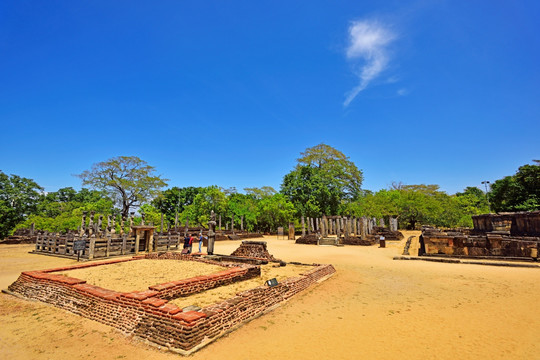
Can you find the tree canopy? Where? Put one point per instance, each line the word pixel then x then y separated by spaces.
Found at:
pixel 519 192
pixel 18 199
pixel 128 180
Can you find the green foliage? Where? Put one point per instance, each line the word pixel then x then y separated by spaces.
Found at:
pixel 128 180
pixel 175 200
pixel 18 199
pixel 520 192
pixel 57 212
pixel 246 206
pixel 333 163
pixel 274 211
pixel 313 191
pixel 208 199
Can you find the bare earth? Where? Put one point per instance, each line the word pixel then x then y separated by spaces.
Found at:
pixel 373 308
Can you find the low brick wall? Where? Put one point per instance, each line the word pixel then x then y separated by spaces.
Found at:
pixel 148 315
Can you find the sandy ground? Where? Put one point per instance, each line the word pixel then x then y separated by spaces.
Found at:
pixel 373 308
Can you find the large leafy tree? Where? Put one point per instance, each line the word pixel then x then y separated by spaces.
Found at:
pixel 323 179
pixel 335 164
pixel 175 200
pixel 274 211
pixel 128 179
pixel 519 192
pixel 18 198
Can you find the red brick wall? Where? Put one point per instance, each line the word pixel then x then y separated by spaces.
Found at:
pixel 148 315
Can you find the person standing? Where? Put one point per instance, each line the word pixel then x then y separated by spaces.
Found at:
pixel 201 239
pixel 191 240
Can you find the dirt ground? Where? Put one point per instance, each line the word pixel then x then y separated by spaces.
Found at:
pixel 373 308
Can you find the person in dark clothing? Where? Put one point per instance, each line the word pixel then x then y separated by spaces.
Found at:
pixel 186 241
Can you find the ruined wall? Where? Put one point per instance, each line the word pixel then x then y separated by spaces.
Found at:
pixel 149 316
pixel 495 245
pixel 516 224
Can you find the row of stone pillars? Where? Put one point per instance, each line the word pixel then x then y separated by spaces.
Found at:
pixel 338 225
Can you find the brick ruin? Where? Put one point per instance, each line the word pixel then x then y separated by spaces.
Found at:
pixel 505 235
pixel 149 316
pixel 254 249
pixel 348 231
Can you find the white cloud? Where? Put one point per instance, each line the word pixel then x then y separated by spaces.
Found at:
pixel 368 51
pixel 402 92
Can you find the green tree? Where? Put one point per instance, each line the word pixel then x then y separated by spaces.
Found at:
pixel 175 200
pixel 18 198
pixel 334 163
pixel 209 198
pixel 313 191
pixel 243 205
pixel 519 192
pixel 274 211
pixel 127 179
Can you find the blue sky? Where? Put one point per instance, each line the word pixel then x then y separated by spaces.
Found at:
pixel 230 92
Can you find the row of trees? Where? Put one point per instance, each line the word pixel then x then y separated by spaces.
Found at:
pixel 324 181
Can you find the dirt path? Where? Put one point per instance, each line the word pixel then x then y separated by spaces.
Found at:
pixel 373 308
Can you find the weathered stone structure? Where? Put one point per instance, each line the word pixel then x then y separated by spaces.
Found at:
pixel 149 316
pixel 507 235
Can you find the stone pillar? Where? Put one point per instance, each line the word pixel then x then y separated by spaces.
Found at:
pixel 242 223
pixel 313 225
pixel 32 228
pixel 143 217
pixel 137 241
pixel 83 223
pixel 346 227
pixel 91 223
pixel 317 224
pixel 131 223
pixel 303 227
pixel 108 224
pixel 150 241
pixel 212 233
pixel 100 224
pixel 308 227
pixel 338 229
pixel 381 222
pixel 219 222
pixel 232 224
pixel 364 227
pixel 354 229
pixel 176 221
pixel 291 231
pixel 91 247
pixel 161 229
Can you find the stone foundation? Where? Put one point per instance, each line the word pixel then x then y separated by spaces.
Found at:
pixel 149 316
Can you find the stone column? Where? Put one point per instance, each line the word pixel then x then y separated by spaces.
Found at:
pixel 303 227
pixel 109 229
pixel 137 241
pixel 131 223
pixel 91 223
pixel 338 229
pixel 354 229
pixel 219 222
pixel 313 225
pixel 346 227
pixel 100 224
pixel 381 222
pixel 143 217
pixel 232 224
pixel 212 233
pixel 317 224
pixel 242 223
pixel 308 227
pixel 83 223
pixel 291 231
pixel 122 220
pixel 323 227
pixel 364 227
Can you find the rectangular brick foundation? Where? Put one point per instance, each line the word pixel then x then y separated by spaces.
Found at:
pixel 149 316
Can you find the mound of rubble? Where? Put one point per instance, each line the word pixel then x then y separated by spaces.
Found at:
pixel 308 239
pixel 387 233
pixel 254 249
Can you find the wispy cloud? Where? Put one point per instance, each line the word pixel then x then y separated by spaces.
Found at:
pixel 368 52
pixel 403 92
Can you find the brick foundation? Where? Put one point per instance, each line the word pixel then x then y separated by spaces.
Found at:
pixel 149 316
